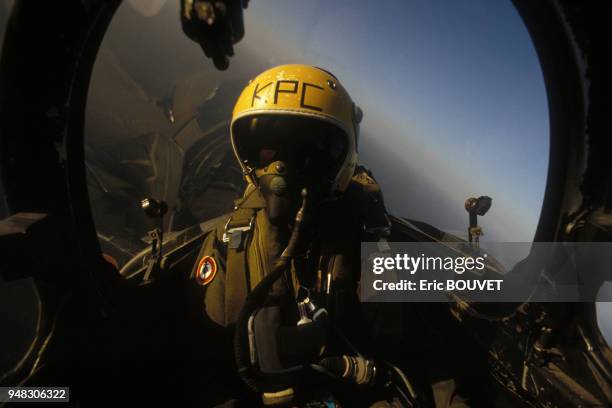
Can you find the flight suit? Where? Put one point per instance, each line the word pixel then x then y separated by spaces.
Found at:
pixel 236 255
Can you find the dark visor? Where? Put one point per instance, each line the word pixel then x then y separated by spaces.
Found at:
pixel 309 144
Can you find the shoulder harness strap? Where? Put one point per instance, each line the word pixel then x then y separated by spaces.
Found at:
pixel 236 235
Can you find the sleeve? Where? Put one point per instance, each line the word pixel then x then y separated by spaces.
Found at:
pixel 209 272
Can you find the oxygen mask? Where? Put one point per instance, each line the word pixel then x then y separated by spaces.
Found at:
pixel 287 154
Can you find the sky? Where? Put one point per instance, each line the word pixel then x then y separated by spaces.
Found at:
pixel 452 91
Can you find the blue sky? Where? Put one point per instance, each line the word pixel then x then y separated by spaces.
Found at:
pixel 451 88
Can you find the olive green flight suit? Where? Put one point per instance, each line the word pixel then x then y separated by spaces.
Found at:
pixel 237 242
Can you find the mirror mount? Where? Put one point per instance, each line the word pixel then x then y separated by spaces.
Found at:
pixel 475 207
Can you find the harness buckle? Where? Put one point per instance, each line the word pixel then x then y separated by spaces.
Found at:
pixel 234 237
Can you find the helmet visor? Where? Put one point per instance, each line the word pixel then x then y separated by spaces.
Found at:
pixel 310 146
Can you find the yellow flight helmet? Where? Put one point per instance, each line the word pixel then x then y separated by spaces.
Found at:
pixel 302 91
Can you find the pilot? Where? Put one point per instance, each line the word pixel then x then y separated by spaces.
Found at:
pixel 280 274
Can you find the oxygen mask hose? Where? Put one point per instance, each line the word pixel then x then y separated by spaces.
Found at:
pixel 258 295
